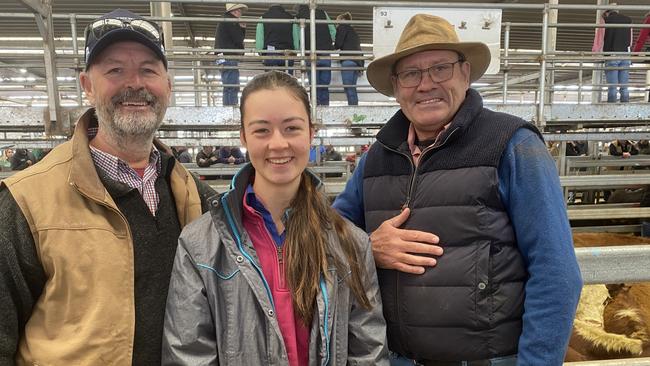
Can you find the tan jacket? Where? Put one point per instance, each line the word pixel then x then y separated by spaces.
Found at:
pixel 86 313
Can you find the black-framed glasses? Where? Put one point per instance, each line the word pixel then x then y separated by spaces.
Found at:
pixel 439 73
pixel 101 27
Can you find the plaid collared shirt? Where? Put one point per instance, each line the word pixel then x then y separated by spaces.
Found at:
pixel 118 170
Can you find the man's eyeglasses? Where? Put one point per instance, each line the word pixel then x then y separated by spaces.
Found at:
pixel 439 73
pixel 101 27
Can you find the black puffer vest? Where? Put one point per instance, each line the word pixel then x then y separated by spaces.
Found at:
pixel 469 306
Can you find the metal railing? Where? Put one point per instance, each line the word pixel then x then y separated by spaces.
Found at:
pixel 199 84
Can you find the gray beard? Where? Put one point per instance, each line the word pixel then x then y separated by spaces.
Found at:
pixel 124 127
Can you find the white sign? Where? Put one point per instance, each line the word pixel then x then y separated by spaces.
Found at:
pixel 472 25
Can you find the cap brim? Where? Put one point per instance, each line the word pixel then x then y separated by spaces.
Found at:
pixel 120 35
pixel 380 71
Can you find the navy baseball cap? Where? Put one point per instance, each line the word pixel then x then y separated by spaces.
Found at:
pixel 122 25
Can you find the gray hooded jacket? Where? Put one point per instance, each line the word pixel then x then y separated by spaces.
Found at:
pixel 220 310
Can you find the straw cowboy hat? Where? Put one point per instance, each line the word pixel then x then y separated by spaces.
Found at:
pixel 423 33
pixel 232 6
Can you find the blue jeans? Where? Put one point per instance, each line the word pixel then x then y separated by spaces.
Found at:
pixel 280 63
pixel 616 78
pixel 349 77
pixel 323 77
pixel 398 360
pixel 230 76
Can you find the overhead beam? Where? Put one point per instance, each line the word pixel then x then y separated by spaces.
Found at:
pixel 45 27
pixel 19 66
pixel 188 26
pixel 36 7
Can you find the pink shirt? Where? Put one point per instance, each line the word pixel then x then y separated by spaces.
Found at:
pixel 415 149
pixel 294 333
pixel 643 35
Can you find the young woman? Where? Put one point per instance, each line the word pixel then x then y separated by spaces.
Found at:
pixel 272 275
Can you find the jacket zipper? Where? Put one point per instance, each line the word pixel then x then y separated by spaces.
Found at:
pixel 240 246
pixel 279 251
pixel 282 281
pixel 407 202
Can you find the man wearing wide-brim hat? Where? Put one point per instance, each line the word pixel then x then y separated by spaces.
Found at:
pixel 465 213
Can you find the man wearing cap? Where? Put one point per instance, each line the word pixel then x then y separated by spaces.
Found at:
pixel 88 235
pixel 230 35
pixel 465 212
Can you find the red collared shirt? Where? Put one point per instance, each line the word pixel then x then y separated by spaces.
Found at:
pixel 415 149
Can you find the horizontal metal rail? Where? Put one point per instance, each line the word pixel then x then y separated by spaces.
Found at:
pixel 607 229
pixel 615 264
pixel 644 361
pixel 608 181
pixel 609 213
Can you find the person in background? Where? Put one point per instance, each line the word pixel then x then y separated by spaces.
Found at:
pixel 273 275
pixel 325 35
pixel 617 40
pixel 230 35
pixel 275 37
pixel 22 159
pixel 331 154
pixel 623 148
pixel 316 154
pixel 184 155
pixel 230 155
pixel 89 233
pixel 207 156
pixel 576 148
pixel 5 159
pixel 347 39
pixel 643 146
pixel 468 276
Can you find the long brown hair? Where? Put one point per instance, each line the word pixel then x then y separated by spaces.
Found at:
pixel 307 246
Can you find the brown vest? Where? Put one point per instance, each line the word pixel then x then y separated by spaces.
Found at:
pixel 85 315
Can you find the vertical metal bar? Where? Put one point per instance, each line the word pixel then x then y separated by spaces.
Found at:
pixel 302 52
pixel 580 82
pixel 75 49
pixel 551 41
pixel 312 56
pixel 562 167
pixel 506 46
pixel 164 9
pixel 542 72
pixel 596 75
pixel 46 28
pixel 647 84
pixel 197 83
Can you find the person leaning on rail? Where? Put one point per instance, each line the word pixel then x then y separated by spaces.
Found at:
pixel 275 37
pixel 88 234
pixel 465 213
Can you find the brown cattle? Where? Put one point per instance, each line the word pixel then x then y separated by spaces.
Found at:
pixel 611 321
